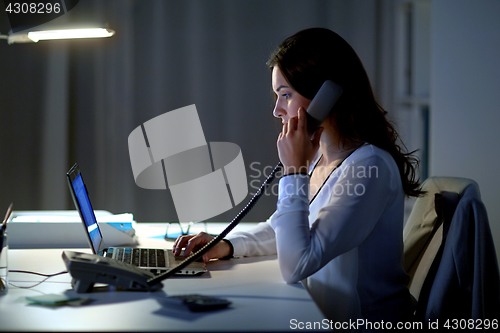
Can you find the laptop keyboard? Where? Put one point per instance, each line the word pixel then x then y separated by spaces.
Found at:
pixel 141 257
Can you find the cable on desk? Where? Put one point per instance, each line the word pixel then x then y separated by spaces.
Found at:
pixel 47 276
pixel 41 274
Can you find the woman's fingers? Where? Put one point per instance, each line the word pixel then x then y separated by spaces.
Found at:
pixel 180 243
pixel 302 120
pixel 196 242
pixel 295 147
pixel 284 131
pixel 292 125
pixel 193 242
pixel 296 124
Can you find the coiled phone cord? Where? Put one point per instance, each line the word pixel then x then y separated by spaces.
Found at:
pixel 197 255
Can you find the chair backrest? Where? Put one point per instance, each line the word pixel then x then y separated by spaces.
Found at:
pixel 423 232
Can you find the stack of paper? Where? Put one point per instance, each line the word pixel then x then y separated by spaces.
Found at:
pixel 64 229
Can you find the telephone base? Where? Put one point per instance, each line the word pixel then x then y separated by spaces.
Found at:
pixel 88 269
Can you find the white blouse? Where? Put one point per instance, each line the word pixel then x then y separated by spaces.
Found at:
pixel 346 245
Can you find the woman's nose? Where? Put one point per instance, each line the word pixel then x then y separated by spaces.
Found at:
pixel 278 111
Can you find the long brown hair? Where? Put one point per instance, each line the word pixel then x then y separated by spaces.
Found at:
pixel 312 56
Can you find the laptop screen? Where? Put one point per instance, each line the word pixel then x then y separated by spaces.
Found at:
pixel 87 212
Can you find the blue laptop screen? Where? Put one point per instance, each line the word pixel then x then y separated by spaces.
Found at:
pixel 87 212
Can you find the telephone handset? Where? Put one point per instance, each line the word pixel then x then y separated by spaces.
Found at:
pixel 87 269
pixel 321 105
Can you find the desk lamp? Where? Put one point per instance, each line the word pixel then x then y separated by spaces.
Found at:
pixel 36 34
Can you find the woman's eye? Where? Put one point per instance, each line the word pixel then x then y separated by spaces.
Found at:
pixel 286 95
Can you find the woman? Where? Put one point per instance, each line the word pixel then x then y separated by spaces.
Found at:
pixel 337 228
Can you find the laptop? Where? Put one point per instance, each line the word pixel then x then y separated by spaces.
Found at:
pixel 155 260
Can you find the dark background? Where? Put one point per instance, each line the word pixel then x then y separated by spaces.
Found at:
pixel 63 102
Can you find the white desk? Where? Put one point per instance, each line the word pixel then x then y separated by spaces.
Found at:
pixel 261 300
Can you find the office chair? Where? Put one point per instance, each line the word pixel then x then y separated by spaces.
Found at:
pixel 449 253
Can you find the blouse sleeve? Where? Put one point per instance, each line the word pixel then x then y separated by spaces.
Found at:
pixel 356 204
pixel 258 241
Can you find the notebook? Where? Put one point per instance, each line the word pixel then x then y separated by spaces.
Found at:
pixel 155 260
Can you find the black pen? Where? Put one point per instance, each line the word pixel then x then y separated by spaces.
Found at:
pixel 6 218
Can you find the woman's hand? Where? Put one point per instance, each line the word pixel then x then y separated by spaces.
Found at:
pixel 295 149
pixel 195 242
